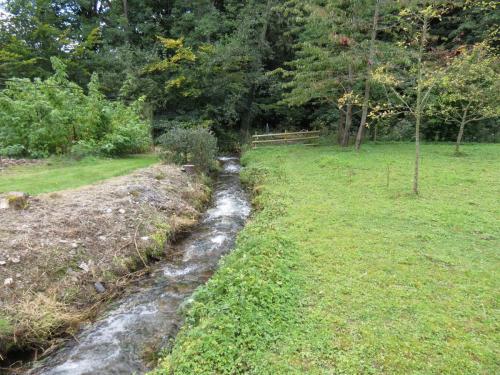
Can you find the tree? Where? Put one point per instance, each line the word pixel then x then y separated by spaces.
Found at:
pixel 31 36
pixel 414 83
pixel 369 65
pixel 327 66
pixel 469 88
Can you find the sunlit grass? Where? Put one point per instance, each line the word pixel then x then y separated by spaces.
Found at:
pixel 384 282
pixel 393 283
pixel 60 174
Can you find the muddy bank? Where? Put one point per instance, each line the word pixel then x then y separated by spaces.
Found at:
pixel 69 251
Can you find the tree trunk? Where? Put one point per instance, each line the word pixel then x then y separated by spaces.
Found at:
pixel 460 132
pixel 340 130
pixel 348 123
pixel 417 149
pixel 418 109
pixel 125 10
pixel 247 117
pixel 265 26
pixel 168 7
pixel 219 5
pixel 371 55
pixel 348 117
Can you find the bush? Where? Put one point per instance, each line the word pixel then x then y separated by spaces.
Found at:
pixel 39 118
pixel 190 145
pixel 13 151
pixel 128 134
pixel 82 149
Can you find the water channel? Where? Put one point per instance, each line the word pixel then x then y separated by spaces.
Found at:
pixel 149 315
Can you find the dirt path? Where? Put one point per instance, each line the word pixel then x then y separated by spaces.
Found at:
pixel 72 249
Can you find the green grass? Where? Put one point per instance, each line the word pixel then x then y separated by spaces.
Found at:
pixel 370 278
pixel 4 325
pixel 60 174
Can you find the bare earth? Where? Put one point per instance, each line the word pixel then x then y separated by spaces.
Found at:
pixel 71 249
pixel 8 162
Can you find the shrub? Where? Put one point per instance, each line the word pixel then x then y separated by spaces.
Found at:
pixel 55 116
pixel 82 149
pixel 128 134
pixel 190 145
pixel 13 151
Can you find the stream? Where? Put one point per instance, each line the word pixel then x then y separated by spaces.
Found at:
pixel 149 318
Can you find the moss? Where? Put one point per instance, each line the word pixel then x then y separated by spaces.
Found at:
pixel 18 202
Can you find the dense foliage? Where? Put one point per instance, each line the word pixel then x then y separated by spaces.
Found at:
pixel 189 145
pixel 55 116
pixel 239 65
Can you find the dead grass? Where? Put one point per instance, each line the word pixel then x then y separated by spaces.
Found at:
pixel 63 243
pixel 40 315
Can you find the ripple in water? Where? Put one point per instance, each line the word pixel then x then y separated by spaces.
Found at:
pixel 116 344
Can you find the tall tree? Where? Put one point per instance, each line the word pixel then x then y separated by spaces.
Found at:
pixel 369 65
pixel 327 66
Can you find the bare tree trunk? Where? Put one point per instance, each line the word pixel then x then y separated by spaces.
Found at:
pixel 461 132
pixel 348 117
pixel 125 10
pixel 417 149
pixel 371 55
pixel 266 23
pixel 348 123
pixel 340 130
pixel 168 7
pixel 418 109
pixel 219 4
pixel 247 117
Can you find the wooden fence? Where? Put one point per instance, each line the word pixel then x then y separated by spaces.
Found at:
pixel 309 137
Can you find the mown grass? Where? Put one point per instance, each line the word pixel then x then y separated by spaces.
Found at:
pixel 60 174
pixel 379 281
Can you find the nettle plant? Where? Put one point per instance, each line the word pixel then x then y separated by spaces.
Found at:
pixel 55 116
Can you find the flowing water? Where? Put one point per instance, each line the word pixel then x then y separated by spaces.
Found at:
pixel 149 316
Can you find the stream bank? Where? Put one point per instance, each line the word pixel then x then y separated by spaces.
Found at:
pixel 148 318
pixel 68 253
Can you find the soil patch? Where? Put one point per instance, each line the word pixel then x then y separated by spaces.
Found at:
pixel 69 251
pixel 9 162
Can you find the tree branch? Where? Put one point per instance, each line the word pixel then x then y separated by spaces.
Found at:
pixel 401 99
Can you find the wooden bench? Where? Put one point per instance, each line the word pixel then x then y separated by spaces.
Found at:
pixel 310 137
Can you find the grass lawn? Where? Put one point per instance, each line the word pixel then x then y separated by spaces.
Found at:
pixel 344 271
pixel 60 174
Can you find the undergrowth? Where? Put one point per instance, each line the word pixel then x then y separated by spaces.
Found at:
pixel 235 322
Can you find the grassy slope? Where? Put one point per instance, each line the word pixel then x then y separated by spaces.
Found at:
pixel 383 282
pixel 67 174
